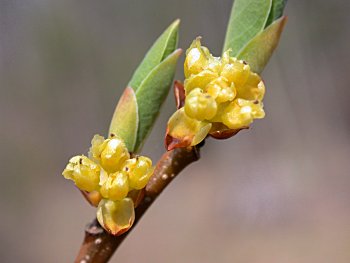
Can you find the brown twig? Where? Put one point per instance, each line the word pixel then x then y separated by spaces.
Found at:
pixel 98 246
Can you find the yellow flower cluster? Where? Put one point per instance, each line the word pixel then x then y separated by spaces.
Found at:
pixel 110 171
pixel 221 94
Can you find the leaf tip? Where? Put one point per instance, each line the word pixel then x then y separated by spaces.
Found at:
pixel 178 52
pixel 284 20
pixel 176 23
pixel 174 26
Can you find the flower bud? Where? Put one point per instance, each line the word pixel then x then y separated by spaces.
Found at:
pixel 84 172
pixel 215 64
pixel 220 90
pixel 241 113
pixel 139 170
pixel 111 153
pixel 199 105
pixel 236 72
pixel 196 58
pixel 200 80
pixel 116 217
pixel 116 187
pixel 183 131
pixel 254 88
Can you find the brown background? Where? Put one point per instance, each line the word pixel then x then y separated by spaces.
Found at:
pixel 277 193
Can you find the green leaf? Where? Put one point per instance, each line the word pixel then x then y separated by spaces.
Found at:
pixel 163 46
pixel 248 18
pixel 152 92
pixel 276 11
pixel 259 50
pixel 125 119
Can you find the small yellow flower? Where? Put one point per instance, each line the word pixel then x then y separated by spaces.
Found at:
pixel 188 131
pixel 116 187
pixel 110 153
pixel 223 96
pixel 116 216
pixel 84 172
pixel 202 79
pixel 241 113
pixel 221 89
pixel 109 173
pixel 200 105
pixel 196 59
pixel 139 170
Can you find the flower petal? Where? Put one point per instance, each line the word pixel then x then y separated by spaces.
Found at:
pixel 116 217
pixel 183 131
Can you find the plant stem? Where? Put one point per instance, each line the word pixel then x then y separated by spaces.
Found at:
pixel 98 245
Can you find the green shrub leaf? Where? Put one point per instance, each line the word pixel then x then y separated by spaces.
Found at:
pixel 259 50
pixel 125 119
pixel 164 45
pixel 151 94
pixel 276 11
pixel 140 103
pixel 248 18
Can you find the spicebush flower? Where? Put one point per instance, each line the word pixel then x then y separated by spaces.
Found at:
pixel 222 96
pixel 110 153
pixel 115 176
pixel 84 172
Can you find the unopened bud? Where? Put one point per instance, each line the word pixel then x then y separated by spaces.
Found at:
pixel 139 170
pixel 111 153
pixel 241 113
pixel 84 172
pixel 116 187
pixel 200 105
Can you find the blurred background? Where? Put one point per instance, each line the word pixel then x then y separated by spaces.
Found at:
pixel 277 193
